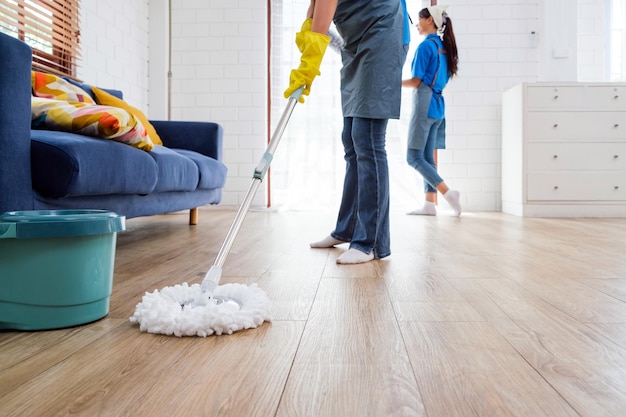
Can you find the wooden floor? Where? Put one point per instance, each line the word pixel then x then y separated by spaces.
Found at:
pixel 485 315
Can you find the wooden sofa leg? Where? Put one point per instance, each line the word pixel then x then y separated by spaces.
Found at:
pixel 193 216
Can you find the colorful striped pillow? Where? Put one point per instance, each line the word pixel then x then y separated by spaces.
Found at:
pixel 53 87
pixel 104 122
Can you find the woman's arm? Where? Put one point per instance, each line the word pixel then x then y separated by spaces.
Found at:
pixel 412 82
pixel 322 12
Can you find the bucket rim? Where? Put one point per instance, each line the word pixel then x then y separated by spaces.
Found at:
pixel 59 223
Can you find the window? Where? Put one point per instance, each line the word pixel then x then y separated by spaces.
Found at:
pixel 49 27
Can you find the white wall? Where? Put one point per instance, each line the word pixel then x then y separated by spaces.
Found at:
pixel 593 32
pixel 114 46
pixel 158 60
pixel 496 51
pixel 219 62
pixel 559 45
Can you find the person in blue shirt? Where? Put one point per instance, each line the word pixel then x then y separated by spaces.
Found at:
pixel 375 44
pixel 434 64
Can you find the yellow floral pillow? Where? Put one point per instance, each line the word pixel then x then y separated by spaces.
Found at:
pixel 102 97
pixel 104 122
pixel 53 87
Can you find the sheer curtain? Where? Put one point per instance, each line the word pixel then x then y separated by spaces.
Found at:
pixel 307 170
pixel 308 167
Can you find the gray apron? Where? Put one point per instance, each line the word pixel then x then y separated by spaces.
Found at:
pixel 373 57
pixel 420 124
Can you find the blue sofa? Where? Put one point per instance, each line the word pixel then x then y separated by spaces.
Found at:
pixel 53 170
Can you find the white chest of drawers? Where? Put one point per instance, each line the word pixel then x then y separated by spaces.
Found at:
pixel 564 150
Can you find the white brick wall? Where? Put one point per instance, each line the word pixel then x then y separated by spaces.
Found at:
pixel 219 65
pixel 592 45
pixel 495 53
pixel 114 45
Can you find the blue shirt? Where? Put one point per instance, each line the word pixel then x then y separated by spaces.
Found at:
pixel 406 34
pixel 430 61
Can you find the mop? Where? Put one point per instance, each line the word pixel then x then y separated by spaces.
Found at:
pixel 209 308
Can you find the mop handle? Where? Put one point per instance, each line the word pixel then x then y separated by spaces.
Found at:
pixel 211 279
pixel 266 160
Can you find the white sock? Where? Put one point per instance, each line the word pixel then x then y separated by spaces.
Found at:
pixel 428 209
pixel 355 256
pixel 453 198
pixel 327 242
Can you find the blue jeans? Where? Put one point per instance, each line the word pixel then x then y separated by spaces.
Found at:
pixel 423 160
pixel 363 218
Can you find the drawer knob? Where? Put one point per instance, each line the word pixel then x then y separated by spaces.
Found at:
pixel 616 98
pixel 615 156
pixel 555 97
pixel 616 125
pixel 555 156
pixel 556 187
pixel 555 125
pixel 616 187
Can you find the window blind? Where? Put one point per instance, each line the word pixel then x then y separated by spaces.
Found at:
pixel 49 27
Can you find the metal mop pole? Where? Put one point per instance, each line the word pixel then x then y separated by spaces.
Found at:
pixel 212 278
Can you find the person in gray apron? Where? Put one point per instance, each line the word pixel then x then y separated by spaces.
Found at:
pixel 435 62
pixel 375 35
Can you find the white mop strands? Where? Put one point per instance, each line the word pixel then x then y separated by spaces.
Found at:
pixel 184 310
pixel 207 308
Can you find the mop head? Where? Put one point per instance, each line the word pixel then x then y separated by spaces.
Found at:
pixel 184 310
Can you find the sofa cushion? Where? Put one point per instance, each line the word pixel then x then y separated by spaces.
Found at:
pixel 67 164
pixel 212 172
pixel 53 87
pixel 175 171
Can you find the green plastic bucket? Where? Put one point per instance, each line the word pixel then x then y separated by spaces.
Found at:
pixel 56 267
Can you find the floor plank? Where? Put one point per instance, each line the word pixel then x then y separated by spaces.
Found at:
pixel 28 354
pixel 615 288
pixel 574 298
pixel 351 360
pixel 584 367
pixel 161 375
pixel 466 369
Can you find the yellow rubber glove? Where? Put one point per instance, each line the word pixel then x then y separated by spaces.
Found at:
pixel 313 46
pixel 306 27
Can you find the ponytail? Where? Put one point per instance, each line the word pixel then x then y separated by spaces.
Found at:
pixel 449 44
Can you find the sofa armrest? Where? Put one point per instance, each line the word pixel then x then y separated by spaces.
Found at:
pixel 202 137
pixel 16 191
